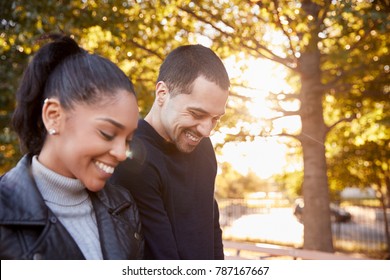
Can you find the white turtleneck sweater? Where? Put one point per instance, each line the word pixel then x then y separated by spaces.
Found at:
pixel 68 199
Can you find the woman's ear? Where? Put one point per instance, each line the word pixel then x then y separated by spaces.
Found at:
pixel 51 115
pixel 162 92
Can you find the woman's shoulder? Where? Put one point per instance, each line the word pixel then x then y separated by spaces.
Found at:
pixel 19 175
pixel 115 195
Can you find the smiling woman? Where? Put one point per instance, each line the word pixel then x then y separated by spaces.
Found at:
pixel 75 114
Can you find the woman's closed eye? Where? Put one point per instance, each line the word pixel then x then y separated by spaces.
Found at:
pixel 107 136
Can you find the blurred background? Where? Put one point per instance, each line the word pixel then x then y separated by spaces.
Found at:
pixel 304 148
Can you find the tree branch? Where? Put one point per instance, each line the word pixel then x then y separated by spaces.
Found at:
pixel 324 11
pixel 349 119
pixel 285 114
pixel 358 43
pixel 192 13
pixel 233 94
pixel 332 84
pixel 268 54
pixel 283 134
pixel 145 49
pixel 284 96
pixel 279 23
pixel 213 16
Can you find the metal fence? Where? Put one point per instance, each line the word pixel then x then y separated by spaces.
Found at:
pixel 365 232
pixel 274 222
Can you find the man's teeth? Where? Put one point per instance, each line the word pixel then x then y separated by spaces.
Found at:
pixel 192 137
pixel 104 167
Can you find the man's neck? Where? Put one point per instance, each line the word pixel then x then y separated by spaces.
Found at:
pixel 154 120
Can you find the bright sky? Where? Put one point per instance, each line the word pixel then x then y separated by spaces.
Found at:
pixel 264 156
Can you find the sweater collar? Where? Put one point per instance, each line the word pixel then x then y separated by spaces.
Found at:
pixel 56 188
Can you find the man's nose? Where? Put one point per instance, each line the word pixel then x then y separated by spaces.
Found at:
pixel 205 127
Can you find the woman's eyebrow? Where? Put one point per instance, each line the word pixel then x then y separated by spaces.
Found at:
pixel 115 123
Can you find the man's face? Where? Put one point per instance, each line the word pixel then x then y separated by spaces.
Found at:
pixel 187 118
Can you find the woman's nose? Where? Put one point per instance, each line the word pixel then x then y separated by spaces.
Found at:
pixel 119 150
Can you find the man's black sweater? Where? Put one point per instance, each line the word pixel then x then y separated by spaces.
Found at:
pixel 174 192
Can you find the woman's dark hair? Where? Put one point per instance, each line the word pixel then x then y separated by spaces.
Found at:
pixel 63 70
pixel 186 63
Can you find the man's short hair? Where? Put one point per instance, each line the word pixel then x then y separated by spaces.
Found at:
pixel 186 63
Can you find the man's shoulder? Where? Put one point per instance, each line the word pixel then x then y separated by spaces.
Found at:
pixel 206 143
pixel 205 146
pixel 146 134
pixel 144 129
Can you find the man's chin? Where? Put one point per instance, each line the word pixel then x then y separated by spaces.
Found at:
pixel 185 148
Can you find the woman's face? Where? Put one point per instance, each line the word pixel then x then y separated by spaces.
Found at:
pixel 91 140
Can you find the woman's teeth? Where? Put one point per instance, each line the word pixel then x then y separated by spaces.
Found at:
pixel 104 167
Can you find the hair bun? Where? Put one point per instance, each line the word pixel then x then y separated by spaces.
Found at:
pixel 60 48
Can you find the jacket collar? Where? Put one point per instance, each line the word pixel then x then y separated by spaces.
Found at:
pixel 20 200
pixel 109 204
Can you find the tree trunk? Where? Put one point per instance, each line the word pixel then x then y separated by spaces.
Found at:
pixel 316 215
pixel 382 200
pixel 387 183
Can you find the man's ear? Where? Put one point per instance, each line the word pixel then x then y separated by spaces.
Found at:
pixel 162 93
pixel 52 113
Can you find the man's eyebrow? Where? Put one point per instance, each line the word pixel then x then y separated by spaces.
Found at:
pixel 115 123
pixel 200 110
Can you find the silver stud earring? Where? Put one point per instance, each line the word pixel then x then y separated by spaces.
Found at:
pixel 52 131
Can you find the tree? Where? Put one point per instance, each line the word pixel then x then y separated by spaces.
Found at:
pixel 323 45
pixel 360 156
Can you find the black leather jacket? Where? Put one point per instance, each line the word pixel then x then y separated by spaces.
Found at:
pixel 29 230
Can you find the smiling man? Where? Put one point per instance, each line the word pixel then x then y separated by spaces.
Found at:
pixel 173 180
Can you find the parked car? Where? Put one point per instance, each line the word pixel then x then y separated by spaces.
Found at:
pixel 338 214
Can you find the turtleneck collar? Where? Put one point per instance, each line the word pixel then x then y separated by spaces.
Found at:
pixel 56 188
